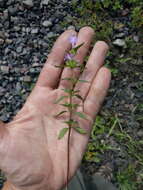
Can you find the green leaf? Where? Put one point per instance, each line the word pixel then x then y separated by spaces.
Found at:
pixel 71 122
pixel 71 64
pixel 69 91
pixel 68 105
pixel 73 80
pixel 60 99
pixel 66 78
pixel 79 97
pixel 83 81
pixel 81 115
pixel 74 50
pixel 60 113
pixel 59 66
pixel 80 130
pixel 62 133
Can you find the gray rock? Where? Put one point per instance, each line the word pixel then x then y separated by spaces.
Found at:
pixel 140 133
pixel 2 35
pixel 28 3
pixel 34 31
pixel 1 41
pixel 19 49
pixel 136 38
pixel 50 35
pixel 120 35
pixel 27 78
pixel 4 69
pixel 8 41
pixel 120 43
pixel 45 2
pixel 47 23
pixel 71 27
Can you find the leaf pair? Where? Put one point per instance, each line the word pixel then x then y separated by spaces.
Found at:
pixel 65 130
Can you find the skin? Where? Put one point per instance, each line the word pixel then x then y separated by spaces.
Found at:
pixel 31 155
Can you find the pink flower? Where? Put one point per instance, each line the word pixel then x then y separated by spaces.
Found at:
pixel 69 57
pixel 73 40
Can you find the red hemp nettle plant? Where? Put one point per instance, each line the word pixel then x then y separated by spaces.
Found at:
pixel 70 106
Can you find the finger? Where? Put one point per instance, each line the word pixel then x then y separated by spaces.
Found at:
pixel 50 74
pixel 85 36
pixel 97 92
pixel 94 63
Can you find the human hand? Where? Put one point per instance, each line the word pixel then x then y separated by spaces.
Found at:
pixel 31 155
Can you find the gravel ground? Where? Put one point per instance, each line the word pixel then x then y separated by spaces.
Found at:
pixel 27 31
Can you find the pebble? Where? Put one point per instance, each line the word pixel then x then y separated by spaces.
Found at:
pixel 71 27
pixel 50 35
pixel 140 133
pixel 47 23
pixel 136 38
pixel 119 42
pixel 120 35
pixel 45 2
pixel 19 49
pixel 8 41
pixel 34 31
pixel 1 41
pixel 4 69
pixel 28 3
pixel 27 78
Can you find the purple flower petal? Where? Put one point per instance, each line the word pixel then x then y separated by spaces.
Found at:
pixel 73 40
pixel 68 57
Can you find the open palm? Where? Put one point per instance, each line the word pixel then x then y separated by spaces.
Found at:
pixel 31 155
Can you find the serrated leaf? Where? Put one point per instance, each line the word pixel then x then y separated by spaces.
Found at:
pixel 80 130
pixel 83 81
pixel 62 133
pixel 81 115
pixel 60 99
pixel 60 113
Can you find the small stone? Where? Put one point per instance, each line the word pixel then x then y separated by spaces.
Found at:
pixel 28 3
pixel 34 31
pixel 136 38
pixel 17 28
pixel 140 133
pixel 119 42
pixel 19 49
pixel 71 27
pixel 50 35
pixel 2 35
pixel 125 12
pixel 5 14
pixel 45 2
pixel 27 78
pixel 4 69
pixel 120 35
pixel 1 41
pixel 8 41
pixel 47 23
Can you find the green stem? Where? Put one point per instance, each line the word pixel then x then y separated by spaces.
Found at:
pixel 69 135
